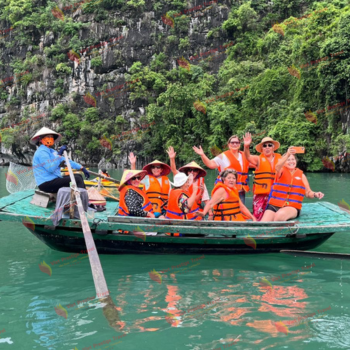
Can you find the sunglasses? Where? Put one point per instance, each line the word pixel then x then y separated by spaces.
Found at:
pixel 193 170
pixel 234 142
pixel 156 167
pixel 139 178
pixel 267 145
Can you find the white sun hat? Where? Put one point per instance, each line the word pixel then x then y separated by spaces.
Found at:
pixel 179 179
pixel 42 132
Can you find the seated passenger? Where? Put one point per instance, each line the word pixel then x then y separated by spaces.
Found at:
pixel 46 163
pixel 288 191
pixel 181 202
pixel 198 174
pixel 132 200
pixel 157 185
pixel 225 200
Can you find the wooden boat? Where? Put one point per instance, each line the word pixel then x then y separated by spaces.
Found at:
pixel 318 222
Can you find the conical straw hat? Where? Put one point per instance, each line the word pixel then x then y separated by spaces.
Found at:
pixel 202 172
pixel 128 174
pixel 259 147
pixel 166 168
pixel 45 131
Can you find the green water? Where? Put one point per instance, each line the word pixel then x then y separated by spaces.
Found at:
pixel 236 303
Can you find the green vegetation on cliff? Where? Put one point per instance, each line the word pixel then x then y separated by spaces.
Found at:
pixel 294 73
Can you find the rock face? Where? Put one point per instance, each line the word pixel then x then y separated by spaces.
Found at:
pixel 74 70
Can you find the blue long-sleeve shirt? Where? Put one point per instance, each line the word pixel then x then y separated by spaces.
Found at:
pixel 46 163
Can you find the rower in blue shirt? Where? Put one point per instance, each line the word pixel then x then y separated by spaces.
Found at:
pixel 46 163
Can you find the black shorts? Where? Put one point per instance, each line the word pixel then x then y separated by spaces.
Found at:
pixel 276 209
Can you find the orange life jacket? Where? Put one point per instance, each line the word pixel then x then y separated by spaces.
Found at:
pixel 265 175
pixel 123 209
pixel 288 190
pixel 158 194
pixel 242 178
pixel 174 212
pixel 229 209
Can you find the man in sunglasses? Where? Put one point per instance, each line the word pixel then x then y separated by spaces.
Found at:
pixel 265 171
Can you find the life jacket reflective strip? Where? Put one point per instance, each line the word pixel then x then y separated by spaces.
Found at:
pixel 264 175
pixel 243 175
pixel 288 190
pixel 158 194
pixel 174 212
pixel 123 209
pixel 229 209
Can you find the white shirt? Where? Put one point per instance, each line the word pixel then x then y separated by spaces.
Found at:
pixel 223 162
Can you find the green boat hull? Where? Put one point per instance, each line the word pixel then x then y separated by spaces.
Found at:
pixel 318 222
pixel 115 243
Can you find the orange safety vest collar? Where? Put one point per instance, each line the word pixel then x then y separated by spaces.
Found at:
pixel 289 190
pixel 123 209
pixel 158 194
pixel 242 174
pixel 265 174
pixel 229 209
pixel 174 212
pixel 242 178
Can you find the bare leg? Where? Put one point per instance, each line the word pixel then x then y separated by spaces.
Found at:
pixel 269 215
pixel 286 213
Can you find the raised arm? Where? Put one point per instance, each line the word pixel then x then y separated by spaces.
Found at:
pixel 219 196
pixel 209 163
pixel 192 199
pixel 309 193
pixel 282 161
pixel 254 160
pixel 172 155
pixel 132 160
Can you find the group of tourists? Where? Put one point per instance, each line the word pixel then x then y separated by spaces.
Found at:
pixel 279 186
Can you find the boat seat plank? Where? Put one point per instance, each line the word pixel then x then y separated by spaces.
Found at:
pixel 196 223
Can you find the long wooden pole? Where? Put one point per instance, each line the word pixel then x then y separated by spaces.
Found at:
pixel 96 268
pixel 311 254
pixel 104 177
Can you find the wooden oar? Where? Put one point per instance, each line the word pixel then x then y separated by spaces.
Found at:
pixel 104 177
pixel 96 268
pixel 326 255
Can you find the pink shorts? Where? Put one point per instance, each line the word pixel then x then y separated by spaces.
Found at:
pixel 259 205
